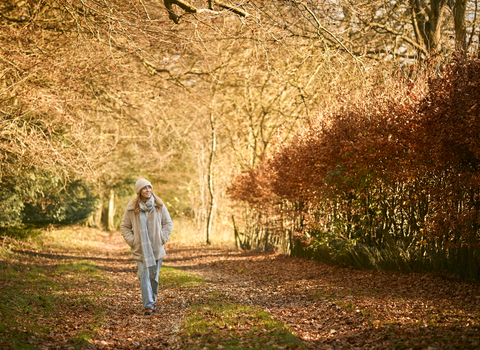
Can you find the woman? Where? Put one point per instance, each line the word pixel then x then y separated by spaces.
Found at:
pixel 146 227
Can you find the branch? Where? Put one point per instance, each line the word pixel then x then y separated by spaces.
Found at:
pixel 153 70
pixel 188 8
pixel 11 63
pixel 319 26
pixel 400 35
pixel 13 19
pixel 235 10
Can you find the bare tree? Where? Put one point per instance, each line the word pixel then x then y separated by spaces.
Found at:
pixel 89 86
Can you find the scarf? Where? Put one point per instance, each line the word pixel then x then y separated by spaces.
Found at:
pixel 146 210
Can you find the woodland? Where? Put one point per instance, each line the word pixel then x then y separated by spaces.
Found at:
pixel 344 131
pixel 340 131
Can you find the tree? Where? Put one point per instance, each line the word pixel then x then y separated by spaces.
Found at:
pixel 392 29
pixel 90 86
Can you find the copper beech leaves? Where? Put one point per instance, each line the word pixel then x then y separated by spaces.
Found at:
pixel 396 167
pixel 331 308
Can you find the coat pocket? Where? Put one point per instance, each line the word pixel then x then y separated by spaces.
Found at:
pixel 130 239
pixel 163 237
pixel 136 242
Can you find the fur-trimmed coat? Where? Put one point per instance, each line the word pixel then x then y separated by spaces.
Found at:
pixel 131 230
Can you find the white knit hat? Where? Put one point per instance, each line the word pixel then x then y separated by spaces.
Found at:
pixel 141 183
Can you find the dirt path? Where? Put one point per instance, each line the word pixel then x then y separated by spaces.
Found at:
pixel 332 308
pixel 125 325
pixel 327 307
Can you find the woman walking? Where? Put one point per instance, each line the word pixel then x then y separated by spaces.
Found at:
pixel 146 227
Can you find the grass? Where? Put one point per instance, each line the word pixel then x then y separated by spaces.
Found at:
pixel 221 324
pixel 39 290
pixel 19 232
pixel 213 322
pixel 26 290
pixel 174 278
pixel 70 238
pixel 339 301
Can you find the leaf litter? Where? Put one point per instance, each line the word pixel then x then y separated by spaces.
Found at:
pixel 341 308
pixel 323 306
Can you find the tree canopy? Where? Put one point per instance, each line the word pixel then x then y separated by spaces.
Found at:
pixel 102 92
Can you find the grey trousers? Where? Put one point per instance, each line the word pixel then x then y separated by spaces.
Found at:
pixel 148 284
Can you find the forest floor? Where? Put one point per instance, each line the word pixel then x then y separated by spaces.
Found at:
pixel 215 298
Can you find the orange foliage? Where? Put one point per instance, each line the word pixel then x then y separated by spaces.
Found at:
pixel 398 167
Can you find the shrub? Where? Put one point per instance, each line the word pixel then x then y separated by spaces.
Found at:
pixel 390 180
pixel 38 199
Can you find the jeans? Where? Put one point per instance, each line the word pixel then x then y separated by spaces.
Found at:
pixel 148 284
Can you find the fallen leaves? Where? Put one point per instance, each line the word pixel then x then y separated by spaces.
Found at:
pixel 324 306
pixel 328 307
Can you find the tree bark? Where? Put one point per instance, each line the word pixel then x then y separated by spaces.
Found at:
pixel 211 181
pixel 460 27
pixel 427 22
pixel 111 211
pixel 188 8
pixel 95 219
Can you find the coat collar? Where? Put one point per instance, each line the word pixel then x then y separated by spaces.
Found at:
pixel 131 204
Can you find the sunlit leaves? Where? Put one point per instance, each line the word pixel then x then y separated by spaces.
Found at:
pixel 396 166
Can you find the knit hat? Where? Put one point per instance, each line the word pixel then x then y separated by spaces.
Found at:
pixel 141 183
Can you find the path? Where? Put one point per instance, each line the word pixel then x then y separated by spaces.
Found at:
pixel 333 308
pixel 327 307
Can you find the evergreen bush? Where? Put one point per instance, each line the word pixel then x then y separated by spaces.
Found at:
pixel 42 198
pixel 11 208
pixel 71 204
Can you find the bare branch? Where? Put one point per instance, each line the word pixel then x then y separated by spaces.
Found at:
pixel 399 35
pixel 320 27
pixel 188 8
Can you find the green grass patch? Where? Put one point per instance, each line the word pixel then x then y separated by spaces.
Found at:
pixel 19 232
pixel 73 238
pixel 321 295
pixel 174 278
pixel 40 293
pixel 344 303
pixel 216 322
pixel 68 239
pixel 81 270
pixel 27 294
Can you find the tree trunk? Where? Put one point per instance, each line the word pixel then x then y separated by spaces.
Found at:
pixel 95 219
pixel 111 211
pixel 460 26
pixel 211 182
pixel 427 22
pixel 238 242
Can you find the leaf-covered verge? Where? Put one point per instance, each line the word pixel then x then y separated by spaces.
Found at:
pixel 45 290
pixel 78 288
pixel 58 290
pixel 337 308
pixel 214 322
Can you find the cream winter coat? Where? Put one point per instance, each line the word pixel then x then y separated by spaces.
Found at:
pixel 131 230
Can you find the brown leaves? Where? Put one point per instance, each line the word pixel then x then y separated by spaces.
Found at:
pixel 326 307
pixel 398 165
pixel 330 308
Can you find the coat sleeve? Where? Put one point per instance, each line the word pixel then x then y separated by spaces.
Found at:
pixel 167 225
pixel 126 227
